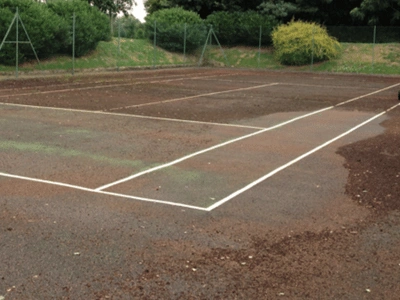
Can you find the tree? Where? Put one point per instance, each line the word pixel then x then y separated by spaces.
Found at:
pixel 203 7
pixel 155 5
pixel 113 7
pixel 378 12
pixel 327 12
pixel 279 10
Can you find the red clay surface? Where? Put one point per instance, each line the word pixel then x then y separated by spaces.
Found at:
pixel 326 227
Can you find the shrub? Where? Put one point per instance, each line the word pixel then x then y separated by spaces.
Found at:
pixel 241 28
pixel 42 25
pixel 91 25
pixel 297 42
pixel 170 28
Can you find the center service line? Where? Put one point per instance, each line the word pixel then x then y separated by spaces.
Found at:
pixel 270 174
pixel 197 96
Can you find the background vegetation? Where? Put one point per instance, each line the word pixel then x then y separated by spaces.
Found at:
pixel 238 24
pixel 49 27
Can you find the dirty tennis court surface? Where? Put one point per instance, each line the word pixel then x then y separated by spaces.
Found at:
pixel 200 184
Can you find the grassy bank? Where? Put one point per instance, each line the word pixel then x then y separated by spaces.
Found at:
pixel 355 58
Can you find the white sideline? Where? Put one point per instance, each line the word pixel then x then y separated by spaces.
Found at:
pixel 76 187
pixel 261 179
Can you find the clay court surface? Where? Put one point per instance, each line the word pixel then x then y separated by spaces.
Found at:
pixel 200 184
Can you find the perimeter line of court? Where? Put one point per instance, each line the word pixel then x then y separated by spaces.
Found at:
pixel 261 179
pixel 76 187
pixel 219 203
pixel 113 85
pixel 100 112
pixel 97 81
pixel 234 140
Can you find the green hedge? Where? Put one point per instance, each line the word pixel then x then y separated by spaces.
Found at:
pixel 91 25
pixel 241 28
pixel 42 25
pixel 49 27
pixel 170 29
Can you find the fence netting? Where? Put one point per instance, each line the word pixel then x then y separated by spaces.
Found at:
pixel 365 49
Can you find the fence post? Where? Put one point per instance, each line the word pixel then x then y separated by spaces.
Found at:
pixel 259 48
pixel 16 45
pixel 155 44
pixel 373 50
pixel 312 48
pixel 73 43
pixel 184 44
pixel 119 43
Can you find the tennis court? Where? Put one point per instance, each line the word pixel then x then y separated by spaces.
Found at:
pixel 186 183
pixel 194 138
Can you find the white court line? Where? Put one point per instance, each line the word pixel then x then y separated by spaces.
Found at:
pixel 261 179
pixel 122 180
pixel 207 150
pixel 77 83
pixel 197 96
pixel 108 86
pixel 76 187
pixel 130 115
pixel 373 93
pixel 225 199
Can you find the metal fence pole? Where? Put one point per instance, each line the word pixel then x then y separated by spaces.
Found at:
pixel 373 50
pixel 73 43
pixel 184 43
pixel 259 48
pixel 312 49
pixel 16 45
pixel 155 44
pixel 119 43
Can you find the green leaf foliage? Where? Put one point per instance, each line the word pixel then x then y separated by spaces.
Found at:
pixel 91 25
pixel 45 30
pixel 297 43
pixel 169 26
pixel 128 27
pixel 241 28
pixel 49 27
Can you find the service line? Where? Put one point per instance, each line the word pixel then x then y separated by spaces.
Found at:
pixel 270 174
pixel 197 96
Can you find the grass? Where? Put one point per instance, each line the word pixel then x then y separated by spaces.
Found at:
pixel 355 58
pixel 127 53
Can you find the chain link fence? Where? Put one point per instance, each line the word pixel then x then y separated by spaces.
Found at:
pixel 365 49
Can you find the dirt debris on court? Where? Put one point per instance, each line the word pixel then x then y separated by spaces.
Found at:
pixel 58 243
